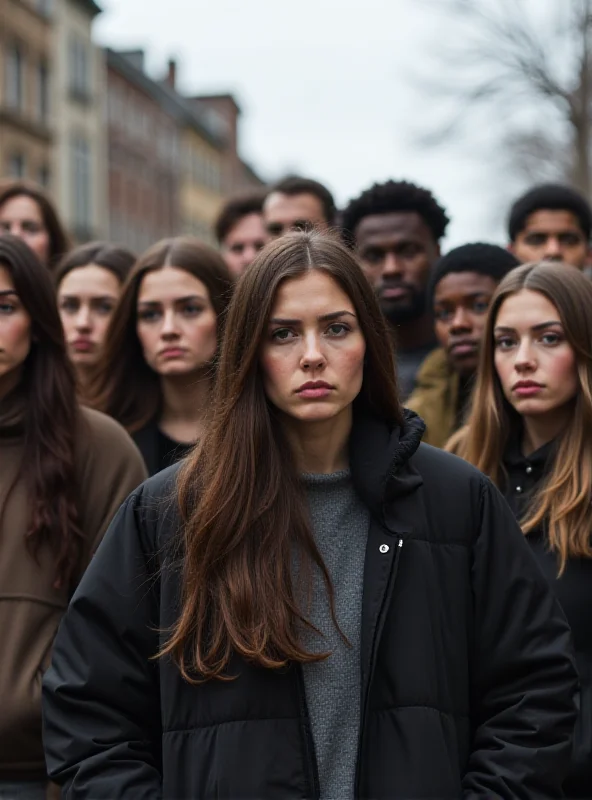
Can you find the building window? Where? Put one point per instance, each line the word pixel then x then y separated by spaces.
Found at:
pixel 44 7
pixel 44 176
pixel 14 71
pixel 42 92
pixel 81 184
pixel 16 166
pixel 79 67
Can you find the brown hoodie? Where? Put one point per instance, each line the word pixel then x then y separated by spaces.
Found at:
pixel 109 467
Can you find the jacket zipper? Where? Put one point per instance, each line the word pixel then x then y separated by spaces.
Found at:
pixel 310 755
pixel 366 693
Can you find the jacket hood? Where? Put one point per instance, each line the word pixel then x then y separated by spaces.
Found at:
pixel 379 459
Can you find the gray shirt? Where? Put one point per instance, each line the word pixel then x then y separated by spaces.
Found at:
pixel 340 525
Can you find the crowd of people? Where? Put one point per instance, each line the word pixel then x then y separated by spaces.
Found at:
pixel 305 515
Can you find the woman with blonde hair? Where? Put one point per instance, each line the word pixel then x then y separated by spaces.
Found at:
pixel 530 431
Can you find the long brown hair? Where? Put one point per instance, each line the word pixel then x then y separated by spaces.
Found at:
pixel 50 414
pixel 118 260
pixel 241 501
pixel 124 386
pixel 59 243
pixel 562 501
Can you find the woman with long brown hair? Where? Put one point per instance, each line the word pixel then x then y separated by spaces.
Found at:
pixel 313 604
pixel 159 355
pixel 64 471
pixel 28 212
pixel 88 282
pixel 530 430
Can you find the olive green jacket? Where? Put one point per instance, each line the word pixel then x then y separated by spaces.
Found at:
pixel 436 397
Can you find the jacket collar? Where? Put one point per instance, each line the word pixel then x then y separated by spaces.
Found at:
pixel 514 457
pixel 380 460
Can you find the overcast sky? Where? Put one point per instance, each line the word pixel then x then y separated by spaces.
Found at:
pixel 326 88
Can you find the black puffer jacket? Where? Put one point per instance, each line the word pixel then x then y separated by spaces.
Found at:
pixel 573 590
pixel 467 678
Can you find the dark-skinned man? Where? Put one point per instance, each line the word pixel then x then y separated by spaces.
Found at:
pixel 461 286
pixel 396 228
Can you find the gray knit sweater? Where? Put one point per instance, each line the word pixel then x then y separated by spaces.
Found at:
pixel 340 524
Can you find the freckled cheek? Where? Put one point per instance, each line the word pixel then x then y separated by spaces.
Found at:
pixel 350 364
pixel 278 372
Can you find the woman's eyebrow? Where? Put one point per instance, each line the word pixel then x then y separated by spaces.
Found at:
pixel 323 318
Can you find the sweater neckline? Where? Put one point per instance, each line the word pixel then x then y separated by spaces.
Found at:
pixel 326 479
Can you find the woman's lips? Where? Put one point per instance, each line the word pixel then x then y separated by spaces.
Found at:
pixel 528 391
pixel 315 394
pixel 83 346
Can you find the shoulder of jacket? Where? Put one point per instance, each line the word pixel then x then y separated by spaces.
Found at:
pixel 445 468
pixel 434 366
pixel 102 426
pixel 103 444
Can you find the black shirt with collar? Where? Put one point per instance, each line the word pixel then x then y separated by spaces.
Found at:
pixel 573 590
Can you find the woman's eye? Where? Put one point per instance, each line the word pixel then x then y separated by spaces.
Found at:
pixel 192 311
pixel 69 306
pixel 550 338
pixel 31 227
pixel 443 314
pixel 148 315
pixel 338 329
pixel 282 334
pixel 504 343
pixel 105 308
pixel 7 308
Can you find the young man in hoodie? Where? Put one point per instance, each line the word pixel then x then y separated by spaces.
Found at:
pixel 459 293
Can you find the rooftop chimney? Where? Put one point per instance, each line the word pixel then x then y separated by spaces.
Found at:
pixel 172 74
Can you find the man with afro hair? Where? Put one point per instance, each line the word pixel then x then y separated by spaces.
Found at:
pixel 396 228
pixel 461 286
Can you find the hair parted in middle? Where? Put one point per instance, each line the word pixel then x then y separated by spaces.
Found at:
pixel 123 385
pixel 118 260
pixel 241 500
pixel 562 502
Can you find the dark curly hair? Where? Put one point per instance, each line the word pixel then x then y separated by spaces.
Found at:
pixel 393 196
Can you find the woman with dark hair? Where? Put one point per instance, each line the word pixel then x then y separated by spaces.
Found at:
pixel 88 283
pixel 314 604
pixel 530 430
pixel 27 212
pixel 157 365
pixel 64 471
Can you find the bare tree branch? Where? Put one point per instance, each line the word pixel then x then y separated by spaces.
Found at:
pixel 503 59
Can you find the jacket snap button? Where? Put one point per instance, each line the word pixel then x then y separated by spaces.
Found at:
pixel 519 489
pixel 528 469
pixel 384 548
